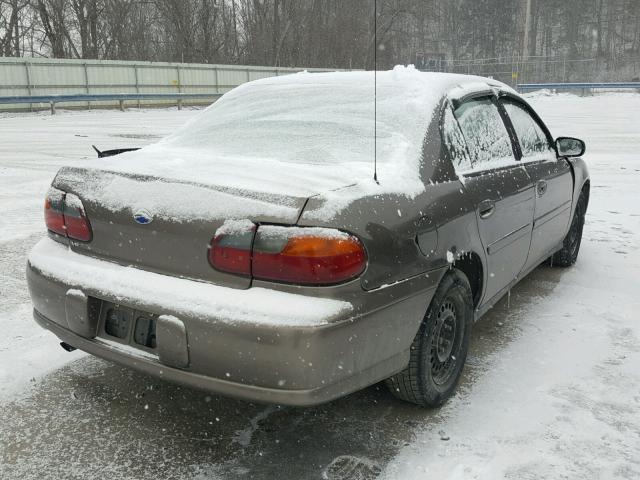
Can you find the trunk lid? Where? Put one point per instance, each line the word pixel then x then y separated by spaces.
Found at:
pixel 166 224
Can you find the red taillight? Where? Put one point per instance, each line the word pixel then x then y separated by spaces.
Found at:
pixel 75 219
pixel 64 214
pixel 53 206
pixel 311 256
pixel 230 249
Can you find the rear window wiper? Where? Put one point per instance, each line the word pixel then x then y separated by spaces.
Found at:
pixel 111 153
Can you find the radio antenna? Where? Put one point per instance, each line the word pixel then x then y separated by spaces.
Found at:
pixel 375 90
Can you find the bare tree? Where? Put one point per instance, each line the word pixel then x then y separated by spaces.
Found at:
pixel 334 33
pixel 11 33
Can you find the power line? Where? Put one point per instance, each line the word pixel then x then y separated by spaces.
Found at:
pixel 375 90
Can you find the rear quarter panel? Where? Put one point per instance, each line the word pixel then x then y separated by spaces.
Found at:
pixel 408 239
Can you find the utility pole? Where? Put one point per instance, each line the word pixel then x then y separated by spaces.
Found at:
pixel 525 40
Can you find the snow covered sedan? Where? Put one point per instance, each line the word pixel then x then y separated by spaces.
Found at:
pixel 254 254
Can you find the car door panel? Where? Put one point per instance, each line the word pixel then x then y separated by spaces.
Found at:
pixel 507 240
pixel 552 212
pixel 499 188
pixel 551 177
pixel 505 233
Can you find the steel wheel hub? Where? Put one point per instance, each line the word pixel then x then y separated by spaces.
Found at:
pixel 445 342
pixel 445 335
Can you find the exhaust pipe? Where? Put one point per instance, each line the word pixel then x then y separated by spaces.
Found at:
pixel 67 347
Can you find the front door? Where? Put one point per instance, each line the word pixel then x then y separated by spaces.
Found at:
pixel 551 177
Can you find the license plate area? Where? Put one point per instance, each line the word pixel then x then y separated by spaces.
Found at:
pixel 144 330
pixel 117 321
pixel 128 326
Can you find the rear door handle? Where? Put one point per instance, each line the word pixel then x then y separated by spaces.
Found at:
pixel 541 188
pixel 486 208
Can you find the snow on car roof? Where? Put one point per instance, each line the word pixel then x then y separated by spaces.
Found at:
pixel 403 76
pixel 306 134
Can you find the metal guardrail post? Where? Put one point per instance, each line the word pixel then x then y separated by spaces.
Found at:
pixel 179 87
pixel 29 89
pixel 86 83
pixel 121 103
pixel 53 107
pixel 135 73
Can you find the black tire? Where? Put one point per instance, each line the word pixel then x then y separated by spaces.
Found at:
pixel 439 350
pixel 571 243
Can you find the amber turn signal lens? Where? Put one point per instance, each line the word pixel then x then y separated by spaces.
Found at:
pixel 307 256
pixel 296 255
pixel 321 247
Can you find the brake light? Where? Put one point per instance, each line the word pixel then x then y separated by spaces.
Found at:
pixel 310 256
pixel 75 219
pixel 64 214
pixel 230 249
pixel 53 206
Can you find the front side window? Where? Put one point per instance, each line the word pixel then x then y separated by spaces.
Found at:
pixel 486 136
pixel 533 140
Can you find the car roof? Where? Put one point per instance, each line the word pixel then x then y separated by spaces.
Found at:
pixel 452 85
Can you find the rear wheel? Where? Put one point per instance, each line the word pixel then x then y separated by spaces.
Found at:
pixel 439 350
pixel 571 244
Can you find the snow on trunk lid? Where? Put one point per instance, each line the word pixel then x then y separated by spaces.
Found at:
pixel 166 225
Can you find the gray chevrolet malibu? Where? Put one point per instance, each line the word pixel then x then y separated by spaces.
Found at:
pixel 309 235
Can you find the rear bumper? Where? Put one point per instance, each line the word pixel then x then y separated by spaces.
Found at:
pixel 328 352
pixel 307 397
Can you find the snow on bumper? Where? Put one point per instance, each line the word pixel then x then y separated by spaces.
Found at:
pixel 131 286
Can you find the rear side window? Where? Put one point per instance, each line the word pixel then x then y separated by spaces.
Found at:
pixel 486 136
pixel 455 143
pixel 533 140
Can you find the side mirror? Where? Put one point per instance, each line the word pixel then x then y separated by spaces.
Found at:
pixel 570 147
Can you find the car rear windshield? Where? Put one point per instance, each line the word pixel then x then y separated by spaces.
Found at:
pixel 299 122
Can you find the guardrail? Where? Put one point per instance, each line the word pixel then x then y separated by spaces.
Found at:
pixel 528 87
pixel 37 77
pixel 106 97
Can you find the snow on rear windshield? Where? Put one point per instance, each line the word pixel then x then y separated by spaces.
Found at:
pixel 300 123
pixel 322 119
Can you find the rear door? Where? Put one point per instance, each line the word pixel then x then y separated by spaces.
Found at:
pixel 551 177
pixel 499 187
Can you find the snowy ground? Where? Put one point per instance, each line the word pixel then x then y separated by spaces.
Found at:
pixel 552 389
